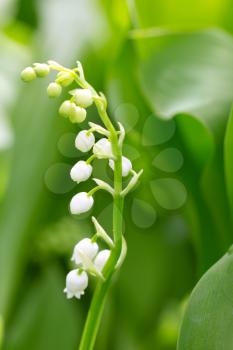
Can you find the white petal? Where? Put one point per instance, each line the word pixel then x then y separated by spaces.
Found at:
pixel 84 141
pixel 103 149
pixel 101 259
pixel 126 165
pixel 81 203
pixel 83 97
pixel 76 282
pixel 88 247
pixel 81 171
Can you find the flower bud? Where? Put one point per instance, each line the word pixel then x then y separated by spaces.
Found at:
pixel 64 78
pixel 76 283
pixel 81 203
pixel 81 171
pixel 84 141
pixel 101 259
pixel 65 108
pixel 83 97
pixel 28 74
pixel 103 149
pixel 87 247
pixel 41 69
pixel 54 90
pixel 77 114
pixel 126 165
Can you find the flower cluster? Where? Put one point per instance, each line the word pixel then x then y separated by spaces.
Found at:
pixel 82 170
pixel 104 142
pixel 89 259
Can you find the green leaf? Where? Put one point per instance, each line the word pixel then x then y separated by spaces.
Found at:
pixel 228 157
pixel 208 321
pixel 190 76
pixel 192 73
pixel 181 15
pixel 45 318
pixel 1 331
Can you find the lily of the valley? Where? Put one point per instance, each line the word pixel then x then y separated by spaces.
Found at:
pixel 81 171
pixel 126 165
pixel 84 141
pixel 101 259
pixel 76 283
pixel 28 74
pixel 81 203
pixel 41 69
pixel 87 247
pixel 83 97
pixel 103 149
pixel 54 90
pixel 70 110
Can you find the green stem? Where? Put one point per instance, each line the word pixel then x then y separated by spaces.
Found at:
pixel 95 189
pixel 90 159
pixel 97 305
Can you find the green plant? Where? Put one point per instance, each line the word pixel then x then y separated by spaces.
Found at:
pixel 105 263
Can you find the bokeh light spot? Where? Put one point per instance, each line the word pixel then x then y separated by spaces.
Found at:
pixel 143 214
pixel 57 178
pixel 169 160
pixel 169 193
pixel 156 132
pixel 66 145
pixel 130 152
pixel 127 114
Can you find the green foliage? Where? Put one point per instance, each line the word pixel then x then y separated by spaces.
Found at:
pixel 228 159
pixel 37 324
pixel 169 76
pixel 207 322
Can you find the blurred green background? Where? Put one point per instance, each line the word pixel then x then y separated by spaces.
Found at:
pixel 167 70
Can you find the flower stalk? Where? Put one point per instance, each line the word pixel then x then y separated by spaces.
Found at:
pixel 87 257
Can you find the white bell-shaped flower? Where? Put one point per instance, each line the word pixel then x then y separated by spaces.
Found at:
pixel 101 259
pixel 77 114
pixel 84 141
pixel 83 97
pixel 126 165
pixel 87 247
pixel 76 283
pixel 103 149
pixel 81 171
pixel 81 203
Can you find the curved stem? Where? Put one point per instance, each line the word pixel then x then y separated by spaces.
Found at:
pixel 96 308
pixel 95 189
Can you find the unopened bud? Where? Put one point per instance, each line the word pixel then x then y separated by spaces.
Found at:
pixel 64 78
pixel 28 74
pixel 77 114
pixel 65 108
pixel 41 69
pixel 54 90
